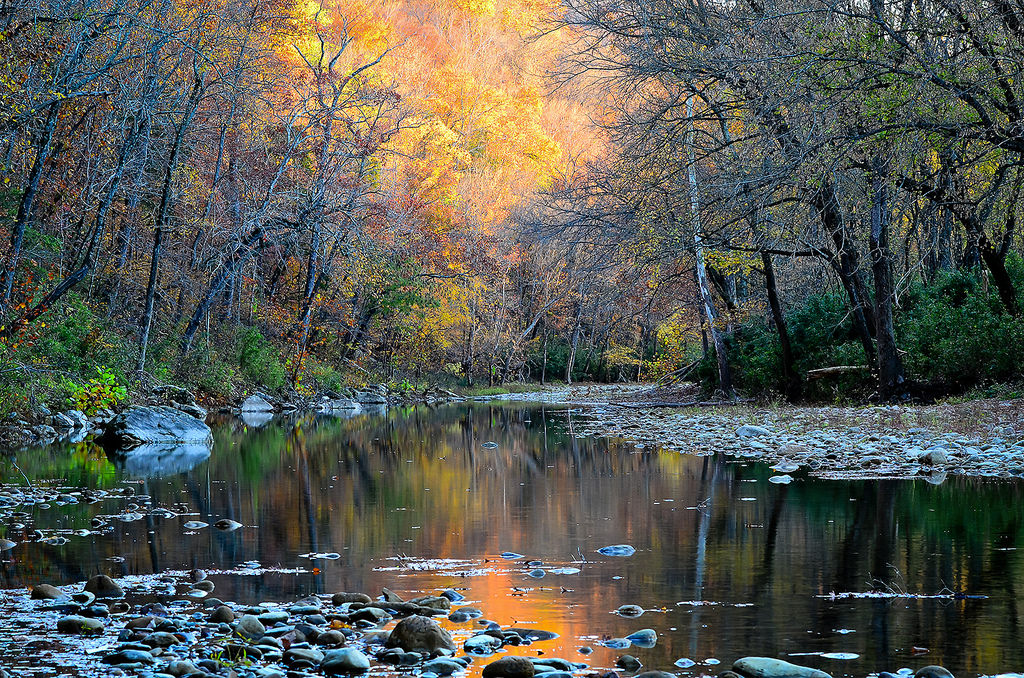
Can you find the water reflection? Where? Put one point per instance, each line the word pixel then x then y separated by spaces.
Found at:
pixel 727 564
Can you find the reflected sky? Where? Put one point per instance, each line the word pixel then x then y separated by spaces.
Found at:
pixel 726 563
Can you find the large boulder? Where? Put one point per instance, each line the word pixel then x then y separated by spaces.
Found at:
pixel 767 667
pixel 256 403
pixel 419 634
pixel 161 425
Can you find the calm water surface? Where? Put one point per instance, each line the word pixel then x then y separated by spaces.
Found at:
pixel 726 563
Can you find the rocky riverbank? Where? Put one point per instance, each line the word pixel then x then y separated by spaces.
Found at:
pixel 974 438
pixel 159 414
pixel 171 625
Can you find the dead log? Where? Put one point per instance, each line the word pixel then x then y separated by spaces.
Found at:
pixel 823 372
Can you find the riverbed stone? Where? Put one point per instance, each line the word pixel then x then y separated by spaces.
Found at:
pixel 342 598
pixel 249 626
pixel 418 633
pixel 433 602
pixel 654 674
pixel 628 662
pixel 180 667
pixel 768 667
pixel 102 586
pixel 443 666
pixel 751 431
pixel 933 671
pixel 129 656
pixel 643 638
pixel 78 625
pixel 509 667
pixel 343 661
pixel 47 592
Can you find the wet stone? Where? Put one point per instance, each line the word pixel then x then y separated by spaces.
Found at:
pixel 79 625
pixel 509 667
pixel 103 586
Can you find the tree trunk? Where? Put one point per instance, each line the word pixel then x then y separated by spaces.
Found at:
pixel 25 207
pixel 788 371
pixel 147 315
pixel 724 373
pixel 890 367
pixel 827 204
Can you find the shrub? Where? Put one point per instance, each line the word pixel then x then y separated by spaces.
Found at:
pixel 101 392
pixel 259 360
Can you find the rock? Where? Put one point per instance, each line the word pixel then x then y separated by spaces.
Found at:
pixel 331 638
pixel 417 633
pixel 179 668
pixel 62 422
pixel 433 602
pixel 654 674
pixel 79 625
pixel 102 586
pixel 932 672
pixel 47 592
pixel 255 403
pixel 345 660
pixel 390 596
pixel 227 525
pixel 302 654
pixel 750 431
pixel 509 667
pixel 532 634
pixel 628 662
pixel 629 611
pixel 250 627
pixel 767 667
pixel 7 544
pixel 342 598
pixel 129 657
pixel 193 411
pixel 138 425
pixel 482 644
pixel 161 639
pixel 933 457
pixel 643 638
pixel 617 550
pixel 443 667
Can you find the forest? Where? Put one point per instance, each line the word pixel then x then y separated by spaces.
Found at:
pixel 801 199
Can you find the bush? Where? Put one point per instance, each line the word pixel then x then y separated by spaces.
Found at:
pixel 99 393
pixel 956 332
pixel 259 360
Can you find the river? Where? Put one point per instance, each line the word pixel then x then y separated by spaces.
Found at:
pixel 852 577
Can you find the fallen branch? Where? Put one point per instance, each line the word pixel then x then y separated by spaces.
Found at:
pixel 823 372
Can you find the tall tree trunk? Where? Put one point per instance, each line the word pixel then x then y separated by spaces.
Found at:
pixel 147 315
pixel 788 371
pixel 890 367
pixel 724 373
pixel 26 205
pixel 827 204
pixel 163 215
